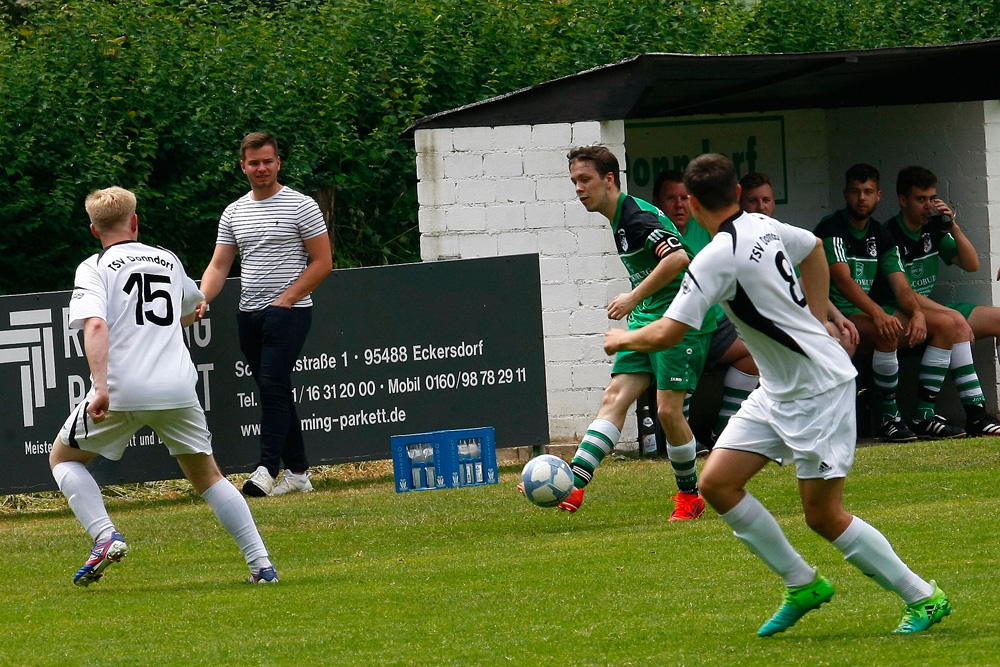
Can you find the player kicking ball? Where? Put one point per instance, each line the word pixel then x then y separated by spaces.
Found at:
pixel 802 412
pixel 131 300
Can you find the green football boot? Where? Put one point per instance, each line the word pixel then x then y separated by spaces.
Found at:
pixel 799 600
pixel 921 615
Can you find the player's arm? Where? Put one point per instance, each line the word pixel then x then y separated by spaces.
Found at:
pixel 96 344
pixel 815 278
pixel 967 257
pixel 673 260
pixel 653 337
pixel 214 278
pixel 319 267
pixel 840 276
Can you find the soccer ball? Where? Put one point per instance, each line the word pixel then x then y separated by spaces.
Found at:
pixel 547 480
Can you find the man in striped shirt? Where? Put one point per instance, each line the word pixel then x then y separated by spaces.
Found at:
pixel 285 254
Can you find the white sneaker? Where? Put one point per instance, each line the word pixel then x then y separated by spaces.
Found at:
pixel 259 484
pixel 292 483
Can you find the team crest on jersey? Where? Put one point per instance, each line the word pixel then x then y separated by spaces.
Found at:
pixel 859 271
pixel 872 247
pixel 622 240
pixel 917 269
pixel 926 238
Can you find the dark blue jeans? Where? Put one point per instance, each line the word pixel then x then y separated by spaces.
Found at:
pixel 271 340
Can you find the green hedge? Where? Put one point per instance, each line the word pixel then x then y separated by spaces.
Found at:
pixel 155 96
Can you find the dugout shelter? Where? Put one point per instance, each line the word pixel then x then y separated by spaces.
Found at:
pixel 493 178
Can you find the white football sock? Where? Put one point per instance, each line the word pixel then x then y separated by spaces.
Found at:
pixel 84 497
pixel 234 514
pixel 754 526
pixel 866 548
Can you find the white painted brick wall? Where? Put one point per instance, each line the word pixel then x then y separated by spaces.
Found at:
pixel 519 243
pixel 544 215
pixel 472 139
pixel 553 269
pixel 465 219
pixel 476 191
pixel 512 137
pixel 515 190
pixel 462 166
pixel 502 218
pixel 503 165
pixel 477 245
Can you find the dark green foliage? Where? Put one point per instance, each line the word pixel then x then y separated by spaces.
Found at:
pixel 155 95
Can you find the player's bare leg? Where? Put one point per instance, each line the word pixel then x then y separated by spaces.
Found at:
pixel 603 433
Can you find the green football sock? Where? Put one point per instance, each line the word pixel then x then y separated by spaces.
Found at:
pixel 682 460
pixel 600 439
pixel 933 369
pixel 885 370
pixel 963 370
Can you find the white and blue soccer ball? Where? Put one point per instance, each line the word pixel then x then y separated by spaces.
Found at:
pixel 547 480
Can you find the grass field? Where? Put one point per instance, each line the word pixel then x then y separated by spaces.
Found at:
pixel 481 577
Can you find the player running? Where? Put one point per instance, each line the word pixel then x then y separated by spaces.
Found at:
pixel 651 249
pixel 802 412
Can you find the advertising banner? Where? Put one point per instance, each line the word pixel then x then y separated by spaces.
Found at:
pixel 392 350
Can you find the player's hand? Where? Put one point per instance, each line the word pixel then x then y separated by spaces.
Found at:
pixel 612 340
pixel 200 310
pixel 887 326
pixel 621 306
pixel 942 207
pixel 848 331
pixel 969 332
pixel 916 332
pixel 98 407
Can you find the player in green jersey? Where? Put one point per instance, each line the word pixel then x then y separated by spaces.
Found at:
pixel 727 350
pixel 924 231
pixel 860 251
pixel 655 258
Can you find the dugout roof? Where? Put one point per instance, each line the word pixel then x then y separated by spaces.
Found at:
pixel 657 85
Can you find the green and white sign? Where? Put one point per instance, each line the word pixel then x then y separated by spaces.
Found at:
pixel 755 144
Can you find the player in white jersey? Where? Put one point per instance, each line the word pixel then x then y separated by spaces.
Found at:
pixel 803 410
pixel 132 300
pixel 285 254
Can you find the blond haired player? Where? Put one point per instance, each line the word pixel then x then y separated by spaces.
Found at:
pixel 131 300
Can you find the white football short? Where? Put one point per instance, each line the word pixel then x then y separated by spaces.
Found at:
pixel 818 434
pixel 182 430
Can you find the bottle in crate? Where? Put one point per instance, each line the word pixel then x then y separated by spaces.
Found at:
pixel 645 418
pixel 429 474
pixel 476 456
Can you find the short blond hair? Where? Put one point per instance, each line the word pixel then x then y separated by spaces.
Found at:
pixel 110 208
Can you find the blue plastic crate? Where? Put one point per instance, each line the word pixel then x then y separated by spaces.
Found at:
pixel 445 459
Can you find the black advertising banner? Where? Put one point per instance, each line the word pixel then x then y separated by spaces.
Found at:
pixel 392 350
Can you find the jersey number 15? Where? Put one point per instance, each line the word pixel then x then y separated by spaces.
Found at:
pixel 142 284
